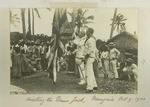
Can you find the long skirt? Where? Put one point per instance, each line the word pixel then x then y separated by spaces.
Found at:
pixel 71 63
pixel 16 66
pixel 20 66
pixel 113 69
pixel 95 68
pixel 25 69
pixel 43 62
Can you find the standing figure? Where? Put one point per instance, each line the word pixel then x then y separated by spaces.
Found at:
pixel 71 57
pixel 113 56
pixel 105 61
pixel 38 55
pixel 89 53
pixel 43 56
pixel 79 41
pixel 29 50
pixel 20 65
pixel 16 62
pixel 25 68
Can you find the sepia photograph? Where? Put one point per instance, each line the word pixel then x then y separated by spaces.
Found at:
pixel 73 51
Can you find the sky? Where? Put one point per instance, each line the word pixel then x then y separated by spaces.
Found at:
pixel 101 21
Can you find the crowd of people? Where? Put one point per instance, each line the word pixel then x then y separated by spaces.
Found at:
pixel 81 55
pixel 28 57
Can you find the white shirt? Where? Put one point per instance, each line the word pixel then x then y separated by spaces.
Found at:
pixel 24 47
pixel 105 55
pixel 90 47
pixel 80 48
pixel 114 53
pixel 133 67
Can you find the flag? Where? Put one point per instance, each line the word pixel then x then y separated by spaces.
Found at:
pixel 57 48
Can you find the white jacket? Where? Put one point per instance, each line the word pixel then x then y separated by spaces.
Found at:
pixel 90 47
pixel 80 48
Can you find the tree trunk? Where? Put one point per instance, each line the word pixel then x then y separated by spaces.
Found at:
pixel 32 21
pixel 29 22
pixel 74 15
pixel 23 22
pixel 112 27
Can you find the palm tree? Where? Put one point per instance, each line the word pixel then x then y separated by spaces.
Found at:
pixel 57 47
pixel 80 19
pixel 23 22
pixel 118 22
pixel 73 15
pixel 32 22
pixel 29 22
pixel 14 18
pixel 113 22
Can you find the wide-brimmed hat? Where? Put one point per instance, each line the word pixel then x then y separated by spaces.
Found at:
pixel 111 44
pixel 129 60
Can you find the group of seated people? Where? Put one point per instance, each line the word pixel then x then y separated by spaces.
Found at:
pixel 28 57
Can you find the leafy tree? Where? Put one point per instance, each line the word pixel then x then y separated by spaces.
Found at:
pixel 14 18
pixel 23 22
pixel 113 23
pixel 119 23
pixel 80 19
pixel 57 47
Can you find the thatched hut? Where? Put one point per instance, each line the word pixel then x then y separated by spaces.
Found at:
pixel 127 44
pixel 66 32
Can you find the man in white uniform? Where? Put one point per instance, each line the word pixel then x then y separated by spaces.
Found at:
pixel 89 53
pixel 79 41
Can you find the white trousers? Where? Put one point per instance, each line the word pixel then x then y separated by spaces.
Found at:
pixel 81 66
pixel 135 72
pixel 91 82
pixel 106 66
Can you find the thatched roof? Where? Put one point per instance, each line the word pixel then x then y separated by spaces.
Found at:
pixel 66 29
pixel 125 40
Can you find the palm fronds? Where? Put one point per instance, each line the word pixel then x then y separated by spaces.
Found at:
pixel 48 9
pixel 118 22
pixel 37 12
pixel 14 18
pixel 82 20
pixel 89 18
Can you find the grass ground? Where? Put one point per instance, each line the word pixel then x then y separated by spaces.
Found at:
pixel 68 84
